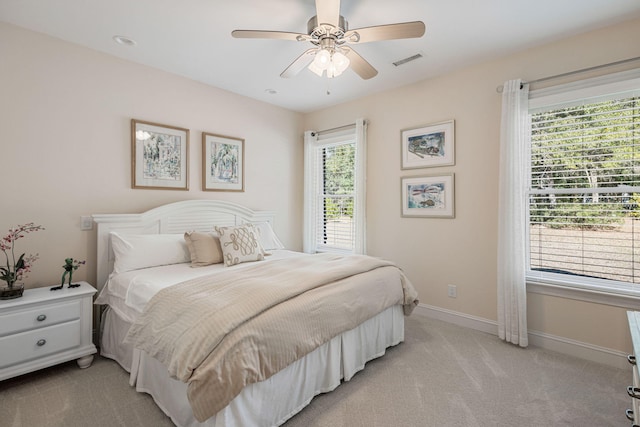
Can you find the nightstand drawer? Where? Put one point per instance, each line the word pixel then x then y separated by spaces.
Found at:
pixel 45 315
pixel 38 343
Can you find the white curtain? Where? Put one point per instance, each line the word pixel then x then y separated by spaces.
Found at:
pixel 359 215
pixel 512 224
pixel 309 242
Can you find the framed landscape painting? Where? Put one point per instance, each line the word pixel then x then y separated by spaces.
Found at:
pixel 428 146
pixel 160 156
pixel 222 163
pixel 428 196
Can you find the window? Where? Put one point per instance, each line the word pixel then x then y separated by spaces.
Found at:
pixel 334 190
pixel 584 193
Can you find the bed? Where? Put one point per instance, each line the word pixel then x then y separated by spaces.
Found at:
pixel 148 282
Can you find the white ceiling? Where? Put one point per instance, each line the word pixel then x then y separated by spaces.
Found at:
pixel 192 38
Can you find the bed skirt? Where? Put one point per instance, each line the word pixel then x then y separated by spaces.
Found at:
pixel 267 403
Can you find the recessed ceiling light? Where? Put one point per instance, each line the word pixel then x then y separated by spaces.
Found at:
pixel 124 40
pixel 271 91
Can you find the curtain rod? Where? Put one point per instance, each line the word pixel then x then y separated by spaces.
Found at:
pixel 500 88
pixel 314 133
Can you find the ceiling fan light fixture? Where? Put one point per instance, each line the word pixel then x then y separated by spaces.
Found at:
pixel 322 59
pixel 329 32
pixel 333 71
pixel 332 61
pixel 317 70
pixel 340 61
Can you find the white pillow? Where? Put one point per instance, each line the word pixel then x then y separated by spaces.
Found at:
pixel 240 244
pixel 268 238
pixel 135 251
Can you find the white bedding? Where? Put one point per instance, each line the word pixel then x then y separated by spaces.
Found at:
pixel 281 396
pixel 127 293
pixel 267 403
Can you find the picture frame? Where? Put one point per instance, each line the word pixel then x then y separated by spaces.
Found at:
pixel 222 163
pixel 429 146
pixel 430 196
pixel 160 156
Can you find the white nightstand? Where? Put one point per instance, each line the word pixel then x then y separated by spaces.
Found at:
pixel 44 328
pixel 633 390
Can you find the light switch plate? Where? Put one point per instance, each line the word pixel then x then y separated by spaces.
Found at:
pixel 86 223
pixel 452 291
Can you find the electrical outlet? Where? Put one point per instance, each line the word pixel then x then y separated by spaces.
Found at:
pixel 452 291
pixel 86 223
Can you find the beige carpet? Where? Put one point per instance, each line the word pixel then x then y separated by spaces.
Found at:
pixel 442 375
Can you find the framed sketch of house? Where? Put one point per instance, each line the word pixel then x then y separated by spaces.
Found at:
pixel 428 146
pixel 428 196
pixel 160 156
pixel 222 163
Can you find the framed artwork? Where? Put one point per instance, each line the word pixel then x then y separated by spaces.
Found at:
pixel 222 163
pixel 428 196
pixel 429 146
pixel 160 156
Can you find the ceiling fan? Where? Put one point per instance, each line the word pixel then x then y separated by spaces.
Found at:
pixel 330 36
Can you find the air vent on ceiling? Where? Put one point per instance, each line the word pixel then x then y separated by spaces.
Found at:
pixel 409 59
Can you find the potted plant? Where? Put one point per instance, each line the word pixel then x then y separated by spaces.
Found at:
pixel 15 271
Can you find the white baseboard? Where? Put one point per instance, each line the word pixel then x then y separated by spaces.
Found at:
pixel 457 318
pixel 583 350
pixel 556 343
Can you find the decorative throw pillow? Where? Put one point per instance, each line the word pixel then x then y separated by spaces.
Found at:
pixel 240 244
pixel 135 251
pixel 204 248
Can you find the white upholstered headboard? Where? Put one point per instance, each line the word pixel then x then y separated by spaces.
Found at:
pixel 190 215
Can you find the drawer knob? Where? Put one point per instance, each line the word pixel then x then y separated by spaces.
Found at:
pixel 41 318
pixel 629 414
pixel 633 392
pixel 41 342
pixel 632 359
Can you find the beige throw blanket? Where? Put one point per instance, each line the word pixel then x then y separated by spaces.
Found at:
pixel 222 332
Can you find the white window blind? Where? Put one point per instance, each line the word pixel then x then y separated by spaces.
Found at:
pixel 584 194
pixel 334 190
pixel 335 225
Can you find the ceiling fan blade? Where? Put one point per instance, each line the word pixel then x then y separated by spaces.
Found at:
pixel 405 30
pixel 328 12
pixel 360 65
pixel 300 63
pixel 257 34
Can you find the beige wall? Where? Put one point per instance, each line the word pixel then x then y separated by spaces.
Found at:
pixel 65 143
pixel 462 251
pixel 65 152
